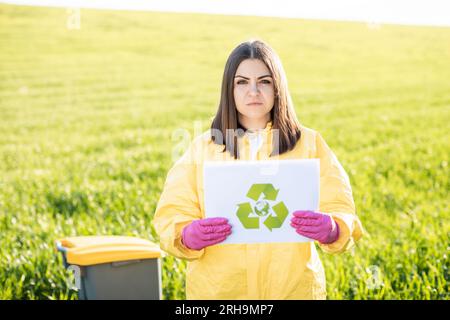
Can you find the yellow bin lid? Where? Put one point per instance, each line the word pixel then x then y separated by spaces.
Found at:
pixel 85 251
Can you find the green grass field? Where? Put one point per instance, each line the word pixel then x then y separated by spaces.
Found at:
pixel 87 116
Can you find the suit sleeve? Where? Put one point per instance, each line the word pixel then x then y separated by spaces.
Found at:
pixel 178 206
pixel 336 199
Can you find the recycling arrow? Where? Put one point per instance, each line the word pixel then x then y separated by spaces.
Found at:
pixel 267 188
pixel 244 210
pixel 277 221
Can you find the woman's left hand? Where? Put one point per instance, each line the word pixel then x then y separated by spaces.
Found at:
pixel 315 225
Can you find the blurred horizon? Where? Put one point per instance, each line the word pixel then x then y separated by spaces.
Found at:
pixel 402 12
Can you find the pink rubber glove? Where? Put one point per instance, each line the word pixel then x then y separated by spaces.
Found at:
pixel 205 232
pixel 315 225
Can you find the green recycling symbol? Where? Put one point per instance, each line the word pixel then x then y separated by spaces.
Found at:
pixel 250 215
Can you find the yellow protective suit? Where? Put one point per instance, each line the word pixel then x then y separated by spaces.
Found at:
pixel 253 271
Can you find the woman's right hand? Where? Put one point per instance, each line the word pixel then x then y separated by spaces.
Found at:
pixel 205 232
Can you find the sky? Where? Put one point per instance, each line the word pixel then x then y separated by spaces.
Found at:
pixel 404 12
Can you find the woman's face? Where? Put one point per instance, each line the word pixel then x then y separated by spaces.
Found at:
pixel 253 93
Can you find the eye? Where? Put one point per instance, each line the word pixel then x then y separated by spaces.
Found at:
pixel 241 82
pixel 266 81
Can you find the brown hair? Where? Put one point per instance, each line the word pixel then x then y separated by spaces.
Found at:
pixel 282 114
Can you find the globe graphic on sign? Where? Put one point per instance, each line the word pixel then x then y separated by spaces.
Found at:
pixel 262 208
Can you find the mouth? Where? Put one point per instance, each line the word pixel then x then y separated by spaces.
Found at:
pixel 254 104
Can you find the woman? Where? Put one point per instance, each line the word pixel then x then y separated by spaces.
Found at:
pixel 255 104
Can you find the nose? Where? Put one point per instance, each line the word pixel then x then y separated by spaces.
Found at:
pixel 254 88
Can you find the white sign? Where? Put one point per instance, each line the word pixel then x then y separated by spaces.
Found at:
pixel 259 197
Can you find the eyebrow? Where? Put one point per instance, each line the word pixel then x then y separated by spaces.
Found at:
pixel 267 75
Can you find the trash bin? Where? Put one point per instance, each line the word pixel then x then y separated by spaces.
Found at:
pixel 113 267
